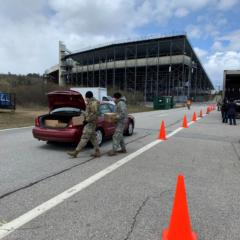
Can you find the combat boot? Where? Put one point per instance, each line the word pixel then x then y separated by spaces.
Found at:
pixel 73 154
pixel 96 154
pixel 123 150
pixel 112 153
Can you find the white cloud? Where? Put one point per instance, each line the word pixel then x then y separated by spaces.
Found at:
pixel 194 31
pixel 24 42
pixel 232 39
pixel 181 12
pixel 211 30
pixel 30 30
pixel 226 4
pixel 217 46
pixel 203 31
pixel 189 4
pixel 216 63
pixel 201 53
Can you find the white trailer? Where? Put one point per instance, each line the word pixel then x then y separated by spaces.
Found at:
pixel 98 92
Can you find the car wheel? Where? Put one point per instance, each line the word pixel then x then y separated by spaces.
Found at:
pixel 99 134
pixel 129 131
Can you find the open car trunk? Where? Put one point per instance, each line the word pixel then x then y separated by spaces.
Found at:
pixel 59 118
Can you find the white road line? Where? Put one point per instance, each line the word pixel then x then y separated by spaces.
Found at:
pixel 190 123
pixel 174 132
pixel 159 115
pixel 11 226
pixel 10 129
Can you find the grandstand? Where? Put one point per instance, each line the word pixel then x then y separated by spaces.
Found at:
pixel 154 66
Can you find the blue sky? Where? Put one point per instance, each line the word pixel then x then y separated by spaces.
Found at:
pixel 30 30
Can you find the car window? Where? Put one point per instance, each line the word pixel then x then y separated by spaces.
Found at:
pixel 104 109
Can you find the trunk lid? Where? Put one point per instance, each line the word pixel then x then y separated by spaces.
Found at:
pixel 69 98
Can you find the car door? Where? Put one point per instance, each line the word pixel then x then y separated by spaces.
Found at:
pixel 109 128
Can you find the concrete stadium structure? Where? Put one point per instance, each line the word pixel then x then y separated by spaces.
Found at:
pixel 154 66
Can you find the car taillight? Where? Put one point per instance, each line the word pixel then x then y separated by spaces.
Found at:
pixel 37 123
pixel 70 125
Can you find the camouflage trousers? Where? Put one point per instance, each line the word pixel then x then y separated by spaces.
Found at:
pixel 118 137
pixel 88 134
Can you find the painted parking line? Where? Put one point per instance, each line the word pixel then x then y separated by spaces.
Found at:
pixel 2 222
pixel 11 129
pixel 13 225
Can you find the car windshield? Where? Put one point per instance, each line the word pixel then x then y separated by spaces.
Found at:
pixel 75 111
pixel 106 108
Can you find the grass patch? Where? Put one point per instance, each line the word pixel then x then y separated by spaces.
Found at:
pixel 24 117
pixel 138 108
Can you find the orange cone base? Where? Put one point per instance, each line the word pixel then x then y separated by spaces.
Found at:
pixel 165 233
pixel 162 133
pixel 163 138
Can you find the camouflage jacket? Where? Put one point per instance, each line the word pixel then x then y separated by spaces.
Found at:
pixel 121 110
pixel 92 109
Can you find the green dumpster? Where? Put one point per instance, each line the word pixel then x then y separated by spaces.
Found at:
pixel 163 102
pixel 172 102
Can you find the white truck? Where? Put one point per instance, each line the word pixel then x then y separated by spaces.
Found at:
pixel 99 93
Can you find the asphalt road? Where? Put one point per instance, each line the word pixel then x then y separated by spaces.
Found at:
pixel 135 200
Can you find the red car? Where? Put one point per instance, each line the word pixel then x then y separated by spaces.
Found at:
pixel 64 105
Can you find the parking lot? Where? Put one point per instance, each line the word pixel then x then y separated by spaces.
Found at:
pixel 132 200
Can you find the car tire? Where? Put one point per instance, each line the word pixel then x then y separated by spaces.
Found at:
pixel 130 129
pixel 100 135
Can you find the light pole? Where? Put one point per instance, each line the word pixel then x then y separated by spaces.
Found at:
pixel 190 74
pixel 169 78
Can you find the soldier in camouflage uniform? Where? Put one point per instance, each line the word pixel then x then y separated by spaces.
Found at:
pixel 89 130
pixel 121 110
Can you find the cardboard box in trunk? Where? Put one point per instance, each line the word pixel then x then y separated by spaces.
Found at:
pixel 61 125
pixel 51 123
pixel 110 117
pixel 77 121
pixel 55 123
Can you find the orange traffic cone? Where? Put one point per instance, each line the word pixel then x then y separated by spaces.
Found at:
pixel 200 115
pixel 180 224
pixel 185 125
pixel 162 133
pixel 208 111
pixel 194 117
